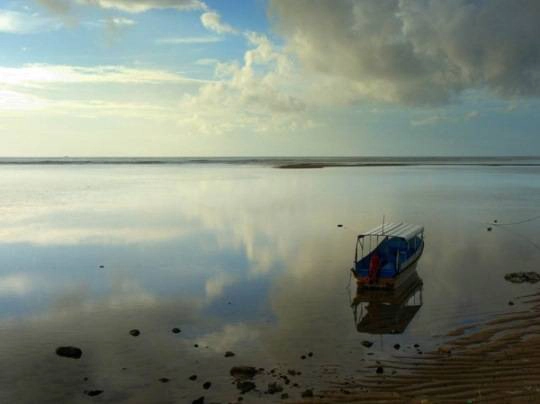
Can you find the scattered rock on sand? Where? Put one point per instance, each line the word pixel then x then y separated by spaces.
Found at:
pixel 93 393
pixel 229 354
pixel 510 303
pixel 134 332
pixel 307 393
pixel 284 396
pixel 207 385
pixel 521 277
pixel 193 377
pixel 292 372
pixel 489 228
pixel 310 354
pixel 69 352
pixel 397 346
pixel 243 372
pixel 200 400
pixel 164 380
pixel 380 370
pixel 176 330
pixel 245 386
pixel 367 343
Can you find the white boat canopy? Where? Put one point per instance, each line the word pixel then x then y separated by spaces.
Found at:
pixel 401 230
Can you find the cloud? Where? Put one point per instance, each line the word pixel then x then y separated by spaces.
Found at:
pixel 30 74
pixel 120 22
pixel 14 22
pixel 211 20
pixel 188 40
pixel 420 52
pixel 139 6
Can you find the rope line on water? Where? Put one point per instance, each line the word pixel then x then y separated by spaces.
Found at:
pixel 496 223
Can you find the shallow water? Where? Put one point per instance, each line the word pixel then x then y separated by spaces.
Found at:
pixel 242 258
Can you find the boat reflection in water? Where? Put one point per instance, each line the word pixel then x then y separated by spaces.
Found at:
pixel 388 312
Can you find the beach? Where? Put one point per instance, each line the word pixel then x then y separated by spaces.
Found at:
pixel 248 264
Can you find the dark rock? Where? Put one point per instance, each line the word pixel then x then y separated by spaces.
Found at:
pixel 93 393
pixel 207 385
pixel 397 346
pixel 489 228
pixel 134 332
pixel 164 380
pixel 176 330
pixel 296 385
pixel 69 352
pixel 85 379
pixel 229 354
pixel 307 393
pixel 416 346
pixel 495 221
pixel 240 398
pixel 284 396
pixel 303 357
pixel 193 377
pixel 521 277
pixel 102 266
pixel 510 303
pixel 196 345
pixel 367 344
pixel 274 388
pixel 200 400
pixel 245 386
pixel 339 225
pixel 243 372
pixel 310 354
pixel 380 370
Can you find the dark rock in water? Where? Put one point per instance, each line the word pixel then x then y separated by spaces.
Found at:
pixel 292 372
pixel 196 345
pixel 243 372
pixel 510 303
pixel 488 229
pixel 193 377
pixel 380 370
pixel 495 221
pixel 303 357
pixel 296 385
pixel 85 379
pixel 229 354
pixel 164 380
pixel 134 332
pixel 207 385
pixel 310 354
pixel 521 277
pixel 307 393
pixel 339 225
pixel 284 396
pixel 245 386
pixel 176 330
pixel 102 266
pixel 200 400
pixel 69 352
pixel 397 346
pixel 274 388
pixel 367 344
pixel 93 393
pixel 416 346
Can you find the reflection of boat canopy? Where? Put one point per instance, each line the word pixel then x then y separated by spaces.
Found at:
pixel 388 313
pixel 382 253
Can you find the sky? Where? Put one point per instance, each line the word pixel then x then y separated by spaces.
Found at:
pixel 269 77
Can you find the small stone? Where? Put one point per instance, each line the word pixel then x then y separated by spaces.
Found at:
pixel 229 354
pixel 416 346
pixel 134 332
pixel 207 385
pixel 164 380
pixel 200 400
pixel 307 393
pixel 176 330
pixel 292 372
pixel 397 346
pixel 339 225
pixel 69 352
pixel 489 228
pixel 243 372
pixel 245 386
pixel 102 266
pixel 85 379
pixel 367 344
pixel 196 345
pixel 310 354
pixel 284 396
pixel 303 357
pixel 510 303
pixel 274 388
pixel 93 393
pixel 193 377
pixel 380 370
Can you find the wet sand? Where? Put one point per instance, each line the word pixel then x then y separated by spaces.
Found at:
pixel 498 361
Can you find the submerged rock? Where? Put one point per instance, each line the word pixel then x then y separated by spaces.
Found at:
pixel 207 385
pixel 193 377
pixel 307 393
pixel 274 388
pixel 134 332
pixel 380 370
pixel 397 346
pixel 69 352
pixel 521 277
pixel 200 400
pixel 243 372
pixel 229 354
pixel 164 380
pixel 176 330
pixel 284 396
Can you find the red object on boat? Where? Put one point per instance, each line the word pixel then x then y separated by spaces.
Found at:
pixel 374 266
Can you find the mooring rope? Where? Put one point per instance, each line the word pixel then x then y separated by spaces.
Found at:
pixel 496 223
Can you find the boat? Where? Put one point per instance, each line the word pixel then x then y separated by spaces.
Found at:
pixel 382 312
pixel 385 255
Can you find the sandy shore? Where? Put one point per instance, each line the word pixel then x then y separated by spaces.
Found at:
pixel 498 361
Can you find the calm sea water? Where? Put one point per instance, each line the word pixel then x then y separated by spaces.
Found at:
pixel 242 258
